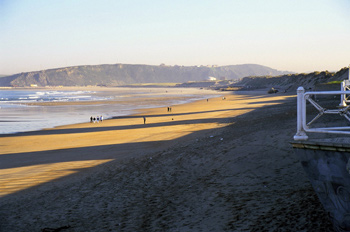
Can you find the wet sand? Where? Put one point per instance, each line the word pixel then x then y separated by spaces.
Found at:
pixel 221 165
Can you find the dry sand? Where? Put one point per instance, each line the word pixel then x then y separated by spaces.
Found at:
pixel 221 165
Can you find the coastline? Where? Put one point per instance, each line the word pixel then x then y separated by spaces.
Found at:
pixel 36 109
pixel 221 165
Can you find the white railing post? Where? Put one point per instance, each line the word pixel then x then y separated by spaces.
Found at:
pixel 342 96
pixel 300 135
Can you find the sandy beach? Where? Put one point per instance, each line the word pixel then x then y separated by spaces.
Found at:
pixel 217 165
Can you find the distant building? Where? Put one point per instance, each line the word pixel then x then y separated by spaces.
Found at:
pixel 33 85
pixel 211 78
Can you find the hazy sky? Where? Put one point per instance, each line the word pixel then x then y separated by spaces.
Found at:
pixel 291 35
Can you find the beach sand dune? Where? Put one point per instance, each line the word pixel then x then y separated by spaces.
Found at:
pixel 221 165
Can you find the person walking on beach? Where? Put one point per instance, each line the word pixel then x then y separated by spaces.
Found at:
pixel 98 119
pixel 144 120
pixel 101 118
pixel 91 118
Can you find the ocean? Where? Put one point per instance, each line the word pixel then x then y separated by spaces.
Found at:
pixel 23 110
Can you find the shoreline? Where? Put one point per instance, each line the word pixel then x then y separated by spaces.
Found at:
pixel 134 112
pixel 125 101
pixel 221 165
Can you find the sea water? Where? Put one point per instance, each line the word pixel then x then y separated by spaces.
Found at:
pixel 24 110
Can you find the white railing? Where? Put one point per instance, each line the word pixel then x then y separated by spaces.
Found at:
pixel 344 86
pixel 303 126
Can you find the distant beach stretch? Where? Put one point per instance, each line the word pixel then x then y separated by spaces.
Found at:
pixel 208 165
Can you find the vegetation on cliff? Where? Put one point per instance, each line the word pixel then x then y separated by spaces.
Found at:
pixel 293 81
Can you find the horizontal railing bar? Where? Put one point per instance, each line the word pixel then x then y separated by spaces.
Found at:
pixel 333 128
pixel 326 93
pixel 328 131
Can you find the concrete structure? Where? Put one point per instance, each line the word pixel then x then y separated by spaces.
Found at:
pixel 327 164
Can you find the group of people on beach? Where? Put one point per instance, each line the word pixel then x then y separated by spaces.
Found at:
pixel 96 119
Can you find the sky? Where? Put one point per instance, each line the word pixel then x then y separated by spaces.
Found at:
pixel 288 35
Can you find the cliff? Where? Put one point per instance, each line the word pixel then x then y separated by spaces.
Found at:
pixel 124 74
